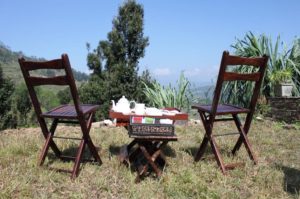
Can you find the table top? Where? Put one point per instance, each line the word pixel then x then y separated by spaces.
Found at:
pixel 119 115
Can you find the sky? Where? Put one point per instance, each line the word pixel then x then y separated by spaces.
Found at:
pixel 187 36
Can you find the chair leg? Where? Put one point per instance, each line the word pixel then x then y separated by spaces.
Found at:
pixel 209 137
pixel 243 139
pixel 49 143
pixel 85 128
pixel 93 150
pixel 217 154
pixel 237 145
pixel 78 159
pixel 45 150
pixel 204 143
pixel 45 132
pixel 201 149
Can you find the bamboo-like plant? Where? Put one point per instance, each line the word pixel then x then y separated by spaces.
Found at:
pixel 160 96
pixel 295 64
pixel 279 59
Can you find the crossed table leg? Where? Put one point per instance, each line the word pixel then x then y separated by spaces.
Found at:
pixel 150 149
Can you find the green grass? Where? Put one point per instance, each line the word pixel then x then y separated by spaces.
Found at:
pixel 276 176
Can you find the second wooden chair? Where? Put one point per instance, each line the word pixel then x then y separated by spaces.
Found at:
pixel 209 113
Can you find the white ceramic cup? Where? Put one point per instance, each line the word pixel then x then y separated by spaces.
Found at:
pixel 139 109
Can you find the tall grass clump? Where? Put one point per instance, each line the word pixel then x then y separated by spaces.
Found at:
pixel 177 97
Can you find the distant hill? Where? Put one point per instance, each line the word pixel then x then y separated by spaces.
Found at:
pixel 11 68
pixel 203 92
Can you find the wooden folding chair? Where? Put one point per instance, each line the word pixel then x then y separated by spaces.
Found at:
pixel 81 114
pixel 208 113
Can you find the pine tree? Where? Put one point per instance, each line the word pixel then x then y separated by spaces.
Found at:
pixel 115 60
pixel 6 91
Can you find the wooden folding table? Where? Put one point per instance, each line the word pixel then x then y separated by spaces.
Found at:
pixel 148 147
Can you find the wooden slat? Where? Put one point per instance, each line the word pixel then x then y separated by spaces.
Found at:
pixel 53 64
pixel 234 60
pixel 225 134
pixel 69 112
pixel 126 117
pixel 58 80
pixel 223 119
pixel 234 165
pixel 67 138
pixel 70 158
pixel 160 138
pixel 222 109
pixel 68 122
pixel 230 76
pixel 60 170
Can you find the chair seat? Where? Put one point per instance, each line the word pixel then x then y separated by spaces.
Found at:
pixel 68 111
pixel 222 109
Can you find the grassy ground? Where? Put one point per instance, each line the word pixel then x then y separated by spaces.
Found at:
pixel 276 176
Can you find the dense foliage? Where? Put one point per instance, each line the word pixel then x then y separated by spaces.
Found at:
pixel 114 62
pixel 6 91
pixel 280 59
pixel 160 96
pixel 64 96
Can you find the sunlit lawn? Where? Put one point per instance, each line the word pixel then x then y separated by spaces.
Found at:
pixel 276 176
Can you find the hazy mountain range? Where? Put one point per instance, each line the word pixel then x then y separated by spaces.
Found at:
pixel 11 68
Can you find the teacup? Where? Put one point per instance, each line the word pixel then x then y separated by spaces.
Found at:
pixel 139 109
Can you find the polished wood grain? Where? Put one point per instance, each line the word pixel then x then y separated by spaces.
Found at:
pixel 229 76
pixel 208 113
pixel 123 119
pixel 148 146
pixel 232 60
pixel 58 80
pixel 34 65
pixel 69 111
pixel 222 109
pixel 78 113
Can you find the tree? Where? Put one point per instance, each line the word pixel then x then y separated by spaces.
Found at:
pixel 22 99
pixel 115 60
pixel 21 104
pixel 64 96
pixel 6 91
pixel 94 92
pixel 125 46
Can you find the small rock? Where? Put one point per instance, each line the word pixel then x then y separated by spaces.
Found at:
pixel 192 121
pixel 103 123
pixel 96 124
pixel 108 123
pixel 259 118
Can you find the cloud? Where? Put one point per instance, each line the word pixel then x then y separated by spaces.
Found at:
pixel 193 72
pixel 203 72
pixel 158 72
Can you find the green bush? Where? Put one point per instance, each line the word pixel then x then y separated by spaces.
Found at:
pixel 6 92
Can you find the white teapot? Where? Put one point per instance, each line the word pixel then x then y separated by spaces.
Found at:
pixel 123 105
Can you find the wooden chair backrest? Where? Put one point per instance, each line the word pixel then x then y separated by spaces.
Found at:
pixel 257 77
pixel 63 80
